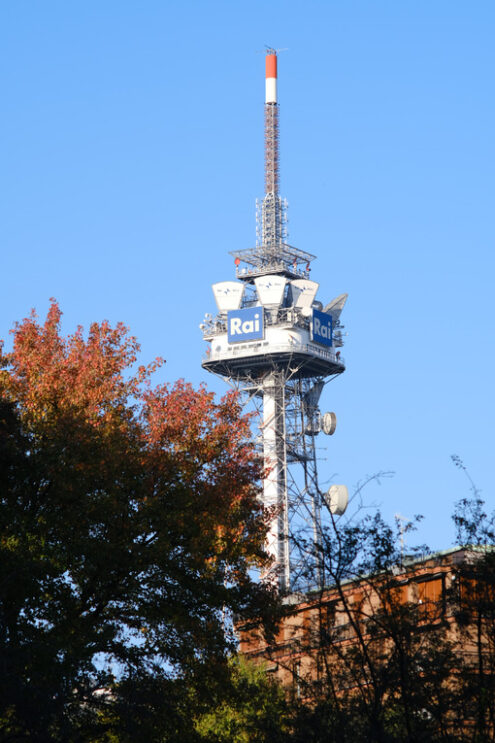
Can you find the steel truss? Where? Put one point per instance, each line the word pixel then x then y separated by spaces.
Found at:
pixel 285 426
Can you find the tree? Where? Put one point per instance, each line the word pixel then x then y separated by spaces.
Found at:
pixel 254 709
pixel 392 647
pixel 365 658
pixel 473 601
pixel 129 523
pixel 373 641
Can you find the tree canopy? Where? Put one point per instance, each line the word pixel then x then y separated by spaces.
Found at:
pixel 129 524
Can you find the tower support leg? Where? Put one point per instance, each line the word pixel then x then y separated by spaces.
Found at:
pixel 275 482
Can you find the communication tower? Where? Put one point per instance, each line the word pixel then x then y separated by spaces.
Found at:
pixel 276 343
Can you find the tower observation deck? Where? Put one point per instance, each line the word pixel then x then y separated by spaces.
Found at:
pixel 274 341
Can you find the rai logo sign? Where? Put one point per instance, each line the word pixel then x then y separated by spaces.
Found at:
pixel 321 328
pixel 245 325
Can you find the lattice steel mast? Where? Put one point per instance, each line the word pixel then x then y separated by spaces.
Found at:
pixel 272 210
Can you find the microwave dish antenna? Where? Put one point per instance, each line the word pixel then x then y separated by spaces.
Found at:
pixel 337 499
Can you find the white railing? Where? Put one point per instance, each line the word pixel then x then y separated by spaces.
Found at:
pixel 264 349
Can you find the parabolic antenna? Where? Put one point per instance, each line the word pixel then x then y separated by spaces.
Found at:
pixel 337 499
pixel 328 423
pixel 335 307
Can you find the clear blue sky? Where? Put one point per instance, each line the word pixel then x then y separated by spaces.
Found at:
pixel 131 152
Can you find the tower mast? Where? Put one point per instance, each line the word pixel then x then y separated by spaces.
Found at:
pixel 272 208
pixel 273 341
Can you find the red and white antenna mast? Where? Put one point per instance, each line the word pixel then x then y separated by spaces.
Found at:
pixel 271 124
pixel 272 254
pixel 272 219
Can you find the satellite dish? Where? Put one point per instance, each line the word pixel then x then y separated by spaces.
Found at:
pixel 335 307
pixel 329 423
pixel 337 499
pixel 306 311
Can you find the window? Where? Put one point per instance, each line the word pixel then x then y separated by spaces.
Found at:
pixel 393 597
pixel 430 597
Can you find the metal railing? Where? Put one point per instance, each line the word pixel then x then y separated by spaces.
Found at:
pixel 264 349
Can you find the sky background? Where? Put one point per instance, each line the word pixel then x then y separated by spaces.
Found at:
pixel 131 155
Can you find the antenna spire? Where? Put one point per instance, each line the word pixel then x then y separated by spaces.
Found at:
pixel 273 217
pixel 271 124
pixel 272 254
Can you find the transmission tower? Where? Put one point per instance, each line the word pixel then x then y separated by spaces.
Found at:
pixel 278 346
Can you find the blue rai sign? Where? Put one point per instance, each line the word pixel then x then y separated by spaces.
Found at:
pixel 245 325
pixel 321 328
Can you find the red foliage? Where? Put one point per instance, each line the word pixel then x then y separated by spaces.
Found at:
pixel 127 495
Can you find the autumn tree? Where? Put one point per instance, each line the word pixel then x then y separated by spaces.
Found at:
pixel 129 524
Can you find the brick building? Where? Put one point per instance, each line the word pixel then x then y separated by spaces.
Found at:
pixel 351 633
